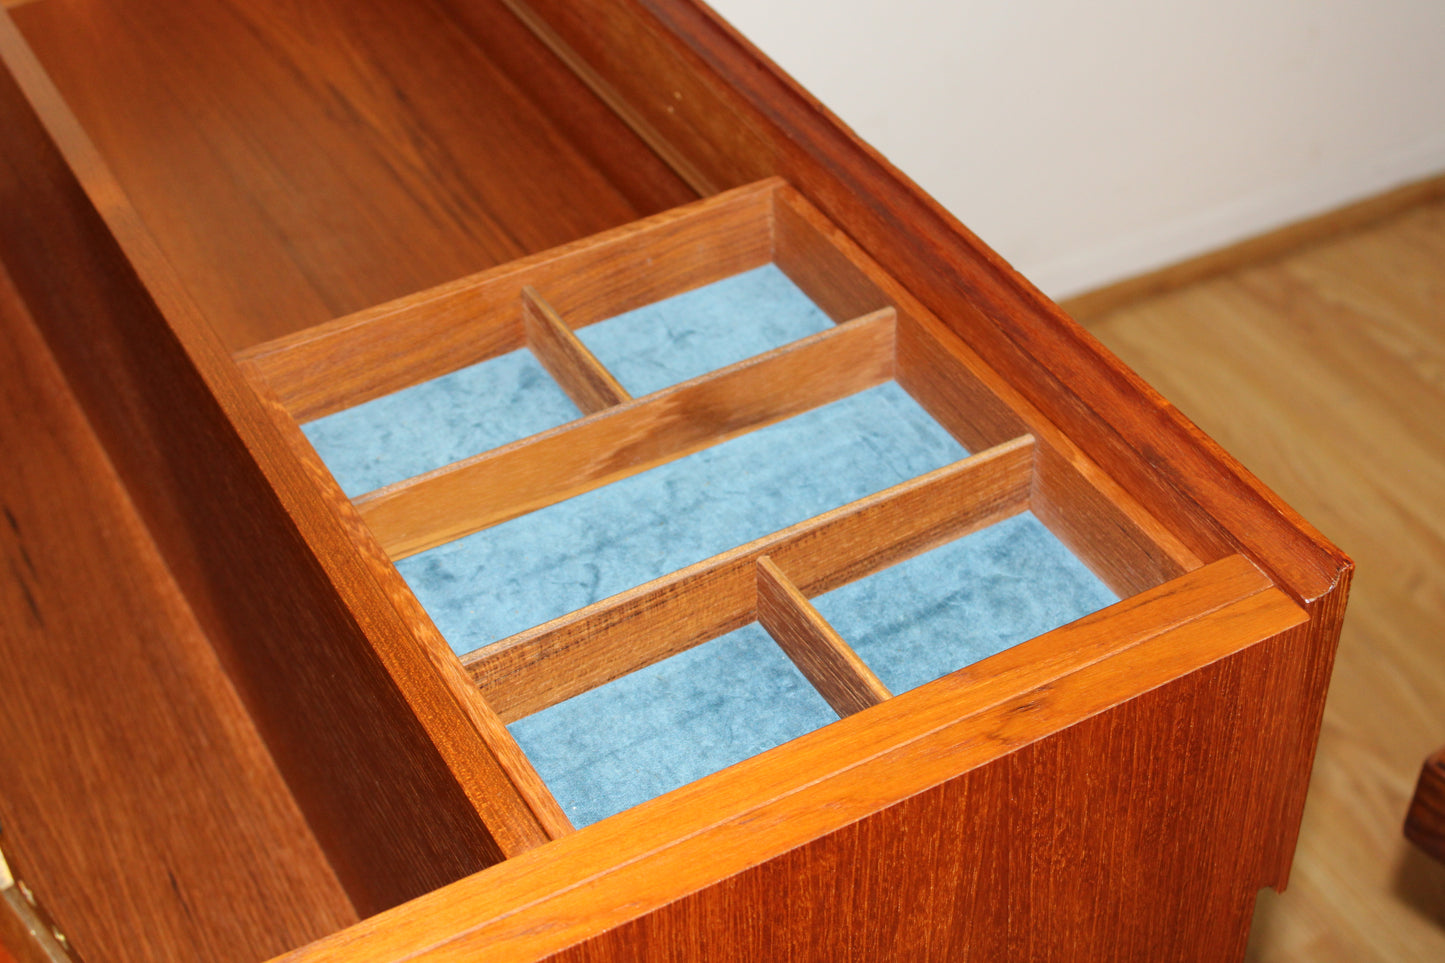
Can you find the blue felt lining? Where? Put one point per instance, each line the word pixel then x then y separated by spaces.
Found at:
pixel 664 726
pixel 435 423
pixel 963 601
pixel 696 713
pixel 537 567
pixel 710 327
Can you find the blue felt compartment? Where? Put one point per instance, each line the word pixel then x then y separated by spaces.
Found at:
pixel 669 724
pixel 963 601
pixel 701 711
pixel 540 566
pixel 437 422
pixel 716 325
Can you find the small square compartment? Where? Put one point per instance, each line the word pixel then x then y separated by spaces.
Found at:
pixel 962 602
pixel 673 722
pixel 427 426
pixel 670 341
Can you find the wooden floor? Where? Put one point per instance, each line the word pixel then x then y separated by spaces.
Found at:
pixel 1324 373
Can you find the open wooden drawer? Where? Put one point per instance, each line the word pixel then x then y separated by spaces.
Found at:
pixel 441 394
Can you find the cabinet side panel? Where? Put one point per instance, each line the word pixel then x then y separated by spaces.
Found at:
pixel 138 802
pixel 400 787
pixel 1136 834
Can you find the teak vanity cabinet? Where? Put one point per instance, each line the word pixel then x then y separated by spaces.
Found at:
pixel 230 731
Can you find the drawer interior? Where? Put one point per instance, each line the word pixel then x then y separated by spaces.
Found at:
pixel 691 490
pixel 299 162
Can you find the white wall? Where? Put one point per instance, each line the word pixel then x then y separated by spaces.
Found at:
pixel 1090 141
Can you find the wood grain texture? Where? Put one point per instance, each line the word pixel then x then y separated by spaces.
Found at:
pixel 814 646
pixel 296 166
pixel 823 261
pixel 395 345
pixel 1425 819
pixel 576 369
pixel 591 126
pixel 999 795
pixel 470 495
pixel 502 751
pixel 138 800
pixel 1108 530
pixel 709 95
pixel 951 825
pixel 631 630
pixel 1320 371
pixel 255 545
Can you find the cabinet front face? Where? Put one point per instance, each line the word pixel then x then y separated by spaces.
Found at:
pixel 592 479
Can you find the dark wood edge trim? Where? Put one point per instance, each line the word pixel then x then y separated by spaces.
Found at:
pixel 1069 372
pixel 1425 820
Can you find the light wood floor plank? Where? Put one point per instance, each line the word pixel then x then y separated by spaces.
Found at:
pixel 1324 373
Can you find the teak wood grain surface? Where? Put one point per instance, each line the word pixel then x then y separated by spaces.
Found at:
pixel 1425 820
pixel 294 210
pixel 225 498
pixel 300 165
pixel 128 685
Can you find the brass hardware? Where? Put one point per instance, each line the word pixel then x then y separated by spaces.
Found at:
pixel 25 931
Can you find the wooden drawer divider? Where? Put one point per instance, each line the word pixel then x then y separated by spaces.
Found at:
pixel 567 656
pixel 571 364
pixel 815 647
pixel 427 510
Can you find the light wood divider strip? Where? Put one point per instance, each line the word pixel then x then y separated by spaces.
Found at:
pixel 410 340
pixel 822 260
pixel 815 647
pixel 429 510
pixel 1116 537
pixel 538 668
pixel 571 364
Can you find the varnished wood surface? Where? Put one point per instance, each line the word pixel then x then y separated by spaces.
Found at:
pixel 130 770
pixel 265 559
pixel 735 113
pixel 1425 819
pixel 1322 373
pixel 999 834
pixel 1120 541
pixel 1181 762
pixel 571 364
pixel 299 164
pixel 828 662
pixel 740 118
